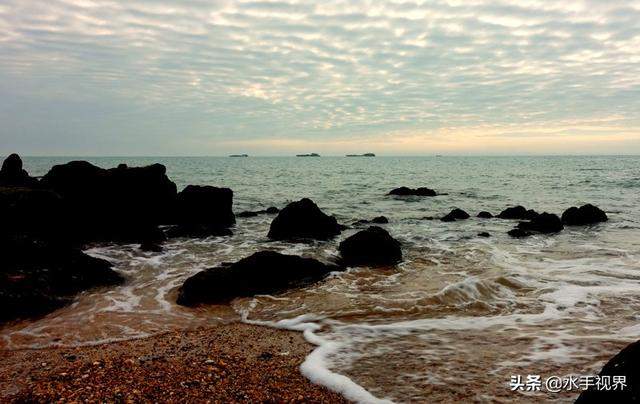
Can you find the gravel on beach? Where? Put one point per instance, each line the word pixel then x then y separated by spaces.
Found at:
pixel 229 363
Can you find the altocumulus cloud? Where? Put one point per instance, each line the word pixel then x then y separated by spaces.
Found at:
pixel 273 77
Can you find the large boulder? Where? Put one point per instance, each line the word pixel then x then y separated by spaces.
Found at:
pixel 31 211
pixel 264 272
pixel 203 211
pixel 117 204
pixel 514 212
pixel 13 175
pixel 518 213
pixel 584 215
pixel 38 276
pixel 303 220
pixel 626 364
pixel 543 223
pixel 455 214
pixel 484 215
pixel 372 247
pixel 405 191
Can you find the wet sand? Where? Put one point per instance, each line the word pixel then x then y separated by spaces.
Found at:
pixel 229 363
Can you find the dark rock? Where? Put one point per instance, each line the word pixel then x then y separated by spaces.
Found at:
pixel 376 220
pixel 484 234
pixel 40 276
pixel 543 223
pixel 380 220
pixel 531 214
pixel 519 233
pixel 247 214
pixel 13 175
pixel 270 211
pixel 149 246
pixel 117 204
pixel 484 215
pixel 373 247
pixel 625 363
pixel 303 220
pixel 515 212
pixel 405 191
pixel 34 212
pixel 584 215
pixel 203 211
pixel 456 214
pixel 265 272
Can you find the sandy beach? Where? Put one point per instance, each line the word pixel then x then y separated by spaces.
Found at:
pixel 230 363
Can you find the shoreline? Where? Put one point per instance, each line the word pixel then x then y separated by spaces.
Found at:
pixel 233 362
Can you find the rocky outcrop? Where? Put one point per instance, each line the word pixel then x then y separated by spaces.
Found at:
pixel 484 215
pixel 584 215
pixel 624 364
pixel 33 212
pixel 371 247
pixel 13 175
pixel 543 223
pixel 265 272
pixel 405 191
pixel 455 214
pixel 117 204
pixel 203 211
pixel 303 220
pixel 39 276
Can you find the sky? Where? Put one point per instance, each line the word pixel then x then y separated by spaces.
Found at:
pixel 213 77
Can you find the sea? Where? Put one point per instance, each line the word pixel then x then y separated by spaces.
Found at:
pixel 455 321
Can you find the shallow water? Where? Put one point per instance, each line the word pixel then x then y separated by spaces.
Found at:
pixel 453 321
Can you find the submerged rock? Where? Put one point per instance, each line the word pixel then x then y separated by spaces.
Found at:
pixel 405 191
pixel 264 272
pixel 376 220
pixel 584 215
pixel 39 276
pixel 303 220
pixel 373 247
pixel 543 223
pixel 13 175
pixel 484 234
pixel 247 213
pixel 519 233
pixel 149 246
pixel 484 215
pixel 456 214
pixel 625 363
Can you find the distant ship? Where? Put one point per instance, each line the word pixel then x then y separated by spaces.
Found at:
pixel 361 155
pixel 308 155
pixel 238 155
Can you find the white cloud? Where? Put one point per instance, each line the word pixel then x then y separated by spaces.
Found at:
pixel 243 70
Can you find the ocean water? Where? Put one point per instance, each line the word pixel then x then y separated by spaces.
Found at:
pixel 452 322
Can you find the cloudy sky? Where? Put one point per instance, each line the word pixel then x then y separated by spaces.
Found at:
pixel 212 77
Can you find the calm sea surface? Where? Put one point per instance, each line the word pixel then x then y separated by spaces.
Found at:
pixel 453 321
